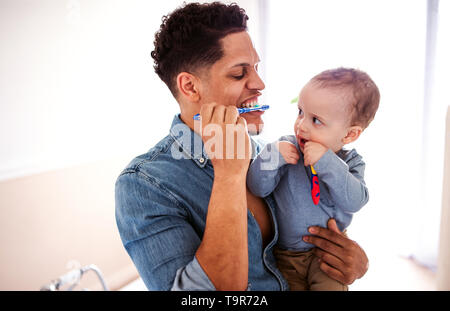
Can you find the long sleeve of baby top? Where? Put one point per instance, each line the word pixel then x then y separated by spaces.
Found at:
pixel 342 190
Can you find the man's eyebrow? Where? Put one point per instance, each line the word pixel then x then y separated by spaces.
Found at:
pixel 241 65
pixel 245 64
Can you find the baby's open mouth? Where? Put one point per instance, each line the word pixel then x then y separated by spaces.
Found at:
pixel 302 142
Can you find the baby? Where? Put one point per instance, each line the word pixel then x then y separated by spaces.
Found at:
pixel 333 110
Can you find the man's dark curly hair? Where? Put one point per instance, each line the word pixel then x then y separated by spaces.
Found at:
pixel 189 38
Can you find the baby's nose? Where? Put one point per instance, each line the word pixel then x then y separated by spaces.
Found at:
pixel 302 126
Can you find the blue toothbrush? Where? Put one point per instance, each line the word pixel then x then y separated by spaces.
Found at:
pixel 242 110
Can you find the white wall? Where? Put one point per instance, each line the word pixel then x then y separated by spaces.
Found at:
pixel 77 81
pixel 436 102
pixel 387 40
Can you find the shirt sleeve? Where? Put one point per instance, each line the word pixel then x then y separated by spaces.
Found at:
pixel 192 277
pixel 156 232
pixel 344 178
pixel 265 171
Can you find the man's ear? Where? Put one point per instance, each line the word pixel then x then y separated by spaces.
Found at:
pixel 353 133
pixel 188 86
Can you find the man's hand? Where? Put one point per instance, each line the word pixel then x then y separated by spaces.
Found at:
pixel 341 258
pixel 288 151
pixel 312 152
pixel 226 140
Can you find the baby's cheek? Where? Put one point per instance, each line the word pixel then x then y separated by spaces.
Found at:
pixel 324 142
pixel 296 126
pixel 335 146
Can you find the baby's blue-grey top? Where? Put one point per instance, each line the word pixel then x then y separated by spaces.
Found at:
pixel 343 191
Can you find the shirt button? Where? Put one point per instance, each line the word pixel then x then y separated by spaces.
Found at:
pixel 201 160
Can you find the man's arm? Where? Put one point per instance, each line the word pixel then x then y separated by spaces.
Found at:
pixel 223 252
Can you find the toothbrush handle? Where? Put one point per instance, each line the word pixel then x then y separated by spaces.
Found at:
pixel 315 189
pixel 242 110
pixel 258 108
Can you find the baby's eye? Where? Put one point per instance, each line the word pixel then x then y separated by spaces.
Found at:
pixel 317 121
pixel 300 112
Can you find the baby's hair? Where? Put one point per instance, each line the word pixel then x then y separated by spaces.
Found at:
pixel 365 94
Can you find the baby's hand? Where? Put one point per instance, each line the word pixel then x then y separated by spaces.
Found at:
pixel 313 152
pixel 288 151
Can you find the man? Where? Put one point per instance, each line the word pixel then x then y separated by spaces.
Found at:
pixel 188 222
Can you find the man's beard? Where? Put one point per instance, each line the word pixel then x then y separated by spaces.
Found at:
pixel 253 129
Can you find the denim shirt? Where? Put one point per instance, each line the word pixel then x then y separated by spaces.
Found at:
pixel 162 200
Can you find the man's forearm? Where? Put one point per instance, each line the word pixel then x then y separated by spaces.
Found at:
pixel 223 253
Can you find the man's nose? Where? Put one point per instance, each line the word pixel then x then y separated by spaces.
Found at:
pixel 255 82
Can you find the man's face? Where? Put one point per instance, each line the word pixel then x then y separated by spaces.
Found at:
pixel 234 80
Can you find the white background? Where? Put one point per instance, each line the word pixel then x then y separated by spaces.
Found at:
pixel 77 85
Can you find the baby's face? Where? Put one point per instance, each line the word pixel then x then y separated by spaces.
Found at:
pixel 323 117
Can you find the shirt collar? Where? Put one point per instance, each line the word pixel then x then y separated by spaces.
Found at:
pixel 191 144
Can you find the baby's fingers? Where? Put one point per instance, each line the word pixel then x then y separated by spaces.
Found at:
pixel 307 160
pixel 292 158
pixel 293 149
pixel 295 156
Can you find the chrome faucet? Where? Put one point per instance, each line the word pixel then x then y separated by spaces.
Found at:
pixel 73 278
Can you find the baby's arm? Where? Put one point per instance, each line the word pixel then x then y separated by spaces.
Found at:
pixel 268 167
pixel 345 179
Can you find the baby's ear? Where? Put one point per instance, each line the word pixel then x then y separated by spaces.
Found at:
pixel 353 133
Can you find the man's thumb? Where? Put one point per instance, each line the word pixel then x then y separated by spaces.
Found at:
pixel 333 226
